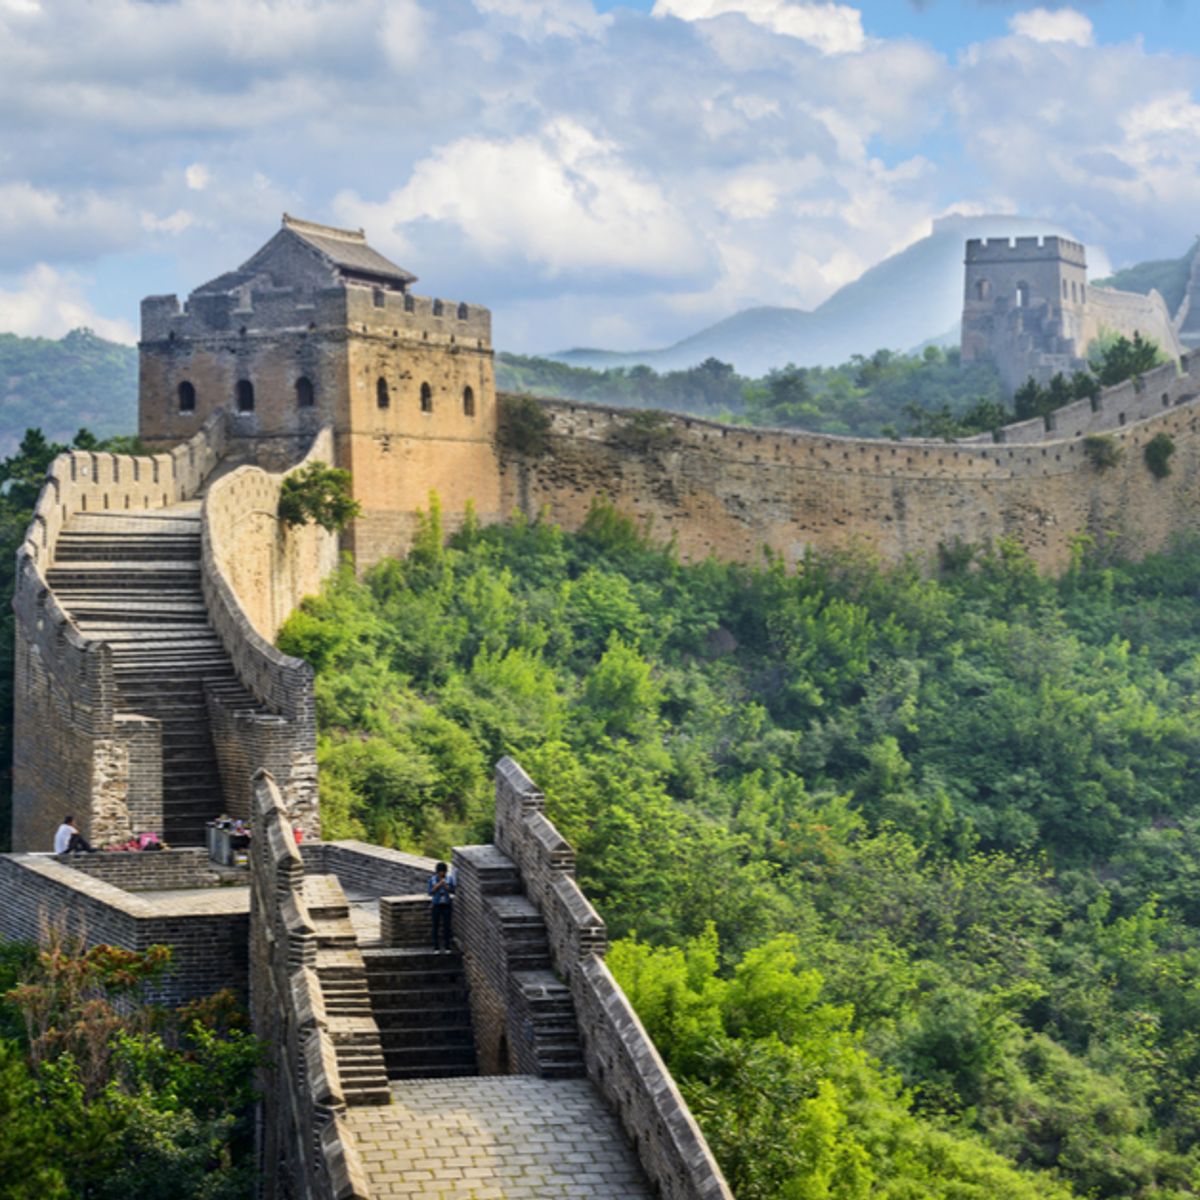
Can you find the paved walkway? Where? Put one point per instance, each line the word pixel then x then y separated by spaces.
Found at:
pixel 497 1137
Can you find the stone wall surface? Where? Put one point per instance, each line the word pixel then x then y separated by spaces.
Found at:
pixel 304 1147
pixel 69 751
pixel 254 571
pixel 147 870
pixel 368 870
pixel 620 1058
pixel 731 490
pixel 1111 311
pixel 206 928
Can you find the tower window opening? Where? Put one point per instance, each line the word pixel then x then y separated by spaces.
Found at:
pixel 377 297
pixel 187 397
pixel 463 312
pixel 1022 295
pixel 983 289
pixel 438 308
pixel 409 303
pixel 426 398
pixel 468 402
pixel 244 396
pixel 304 392
pixel 382 399
pixel 1074 291
pixel 1064 289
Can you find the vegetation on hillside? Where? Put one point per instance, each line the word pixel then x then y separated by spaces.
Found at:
pixel 932 394
pixel 106 1097
pixel 884 395
pixel 1169 276
pixel 59 385
pixel 903 869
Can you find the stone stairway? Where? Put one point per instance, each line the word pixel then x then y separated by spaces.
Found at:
pixel 133 581
pixel 419 998
pixel 518 929
pixel 340 969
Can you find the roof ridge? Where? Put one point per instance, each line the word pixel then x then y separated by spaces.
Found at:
pixel 300 226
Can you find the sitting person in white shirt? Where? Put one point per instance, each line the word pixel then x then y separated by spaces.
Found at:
pixel 68 839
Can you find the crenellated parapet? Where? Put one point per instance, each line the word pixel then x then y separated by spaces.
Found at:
pixel 254 572
pixel 618 1056
pixel 305 1147
pixel 73 747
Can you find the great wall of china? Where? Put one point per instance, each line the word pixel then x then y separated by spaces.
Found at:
pixel 149 695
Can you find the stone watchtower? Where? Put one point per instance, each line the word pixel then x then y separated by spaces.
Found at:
pixel 318 328
pixel 1025 306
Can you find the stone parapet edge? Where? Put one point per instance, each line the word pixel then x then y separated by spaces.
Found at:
pixel 620 1057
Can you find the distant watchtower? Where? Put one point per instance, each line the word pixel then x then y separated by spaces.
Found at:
pixel 1025 304
pixel 318 328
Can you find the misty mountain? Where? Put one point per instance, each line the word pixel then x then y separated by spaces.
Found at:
pixel 910 299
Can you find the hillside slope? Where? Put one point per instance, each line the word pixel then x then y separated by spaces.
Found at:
pixel 59 386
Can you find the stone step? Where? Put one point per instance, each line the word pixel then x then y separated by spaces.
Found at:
pixel 427 1072
pixel 406 1058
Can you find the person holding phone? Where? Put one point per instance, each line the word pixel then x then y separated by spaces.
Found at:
pixel 441 895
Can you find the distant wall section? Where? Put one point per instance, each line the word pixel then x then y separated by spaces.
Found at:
pixel 731 490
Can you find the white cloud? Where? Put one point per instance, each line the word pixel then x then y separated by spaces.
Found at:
pixel 1053 25
pixel 563 200
pixel 197 177
pixel 41 222
pixel 536 19
pixel 831 28
pixel 586 176
pixel 48 303
pixel 176 222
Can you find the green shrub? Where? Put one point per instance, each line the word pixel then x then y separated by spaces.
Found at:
pixel 320 494
pixel 524 424
pixel 1101 450
pixel 1158 453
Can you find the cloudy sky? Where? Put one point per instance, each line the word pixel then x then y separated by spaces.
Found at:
pixel 599 173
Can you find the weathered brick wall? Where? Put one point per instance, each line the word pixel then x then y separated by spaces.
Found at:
pixel 305 1150
pixel 254 571
pixel 68 750
pixel 621 1059
pixel 147 870
pixel 366 869
pixel 730 490
pixel 38 892
pixel 398 454
pixel 269 566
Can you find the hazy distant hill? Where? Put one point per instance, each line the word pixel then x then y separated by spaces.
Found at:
pixel 910 299
pixel 59 386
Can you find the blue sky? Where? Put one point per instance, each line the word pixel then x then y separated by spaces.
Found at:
pixel 603 174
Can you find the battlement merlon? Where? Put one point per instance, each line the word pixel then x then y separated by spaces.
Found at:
pixel 354 308
pixel 1044 249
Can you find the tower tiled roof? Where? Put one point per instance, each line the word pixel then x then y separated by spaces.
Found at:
pixel 348 250
pixel 330 256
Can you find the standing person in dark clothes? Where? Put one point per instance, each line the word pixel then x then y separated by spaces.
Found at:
pixel 441 895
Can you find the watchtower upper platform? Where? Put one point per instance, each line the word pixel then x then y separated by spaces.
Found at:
pixel 317 328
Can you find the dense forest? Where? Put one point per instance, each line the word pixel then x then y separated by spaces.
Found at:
pixel 59 385
pixel 104 1096
pixel 902 870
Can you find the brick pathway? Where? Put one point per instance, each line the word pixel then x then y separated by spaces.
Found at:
pixel 499 1137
